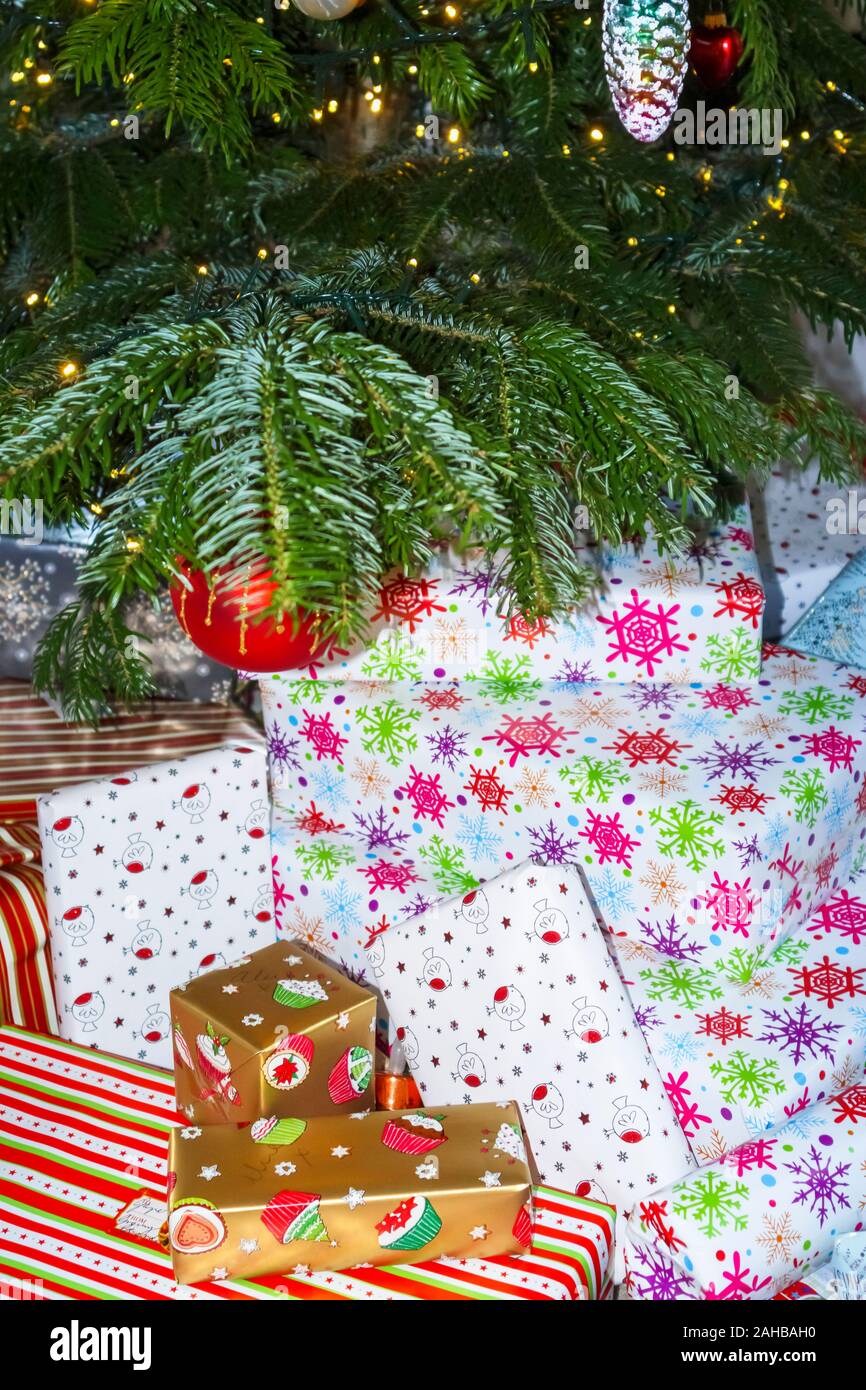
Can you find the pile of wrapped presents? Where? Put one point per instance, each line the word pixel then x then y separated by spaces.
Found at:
pixel 493 959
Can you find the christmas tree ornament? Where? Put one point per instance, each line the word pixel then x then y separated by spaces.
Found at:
pixel 224 621
pixel 645 58
pixel 325 10
pixel 716 51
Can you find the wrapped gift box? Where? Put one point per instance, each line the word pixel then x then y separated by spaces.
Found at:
pixel 835 625
pixel 766 1213
pixel 39 752
pixel 276 1033
pixel 373 1187
pixel 77 1224
pixel 702 816
pixel 37 580
pixel 151 877
pixel 799 553
pixel 757 1036
pixel 677 617
pixel 513 987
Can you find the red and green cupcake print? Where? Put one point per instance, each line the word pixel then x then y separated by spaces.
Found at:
pixel 415 1133
pixel 288 1065
pixel 351 1076
pixel 410 1226
pixel 195 1226
pixel 276 1131
pixel 214 1063
pixel 299 994
pixel 293 1216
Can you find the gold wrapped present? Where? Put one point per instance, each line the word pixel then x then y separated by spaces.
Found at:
pixel 277 1033
pixel 374 1187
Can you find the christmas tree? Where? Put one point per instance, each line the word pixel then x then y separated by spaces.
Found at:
pixel 314 286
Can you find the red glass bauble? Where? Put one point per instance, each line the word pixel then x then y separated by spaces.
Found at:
pixel 716 51
pixel 223 621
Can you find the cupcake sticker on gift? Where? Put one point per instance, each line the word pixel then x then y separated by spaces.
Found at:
pixel 351 1076
pixel 288 1065
pixel 299 994
pixel 414 1134
pixel 411 1225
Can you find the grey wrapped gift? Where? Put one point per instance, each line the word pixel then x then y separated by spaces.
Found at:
pixel 38 579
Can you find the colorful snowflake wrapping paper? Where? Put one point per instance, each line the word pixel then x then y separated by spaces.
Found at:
pixel 153 876
pixel 835 626
pixel 769 1211
pixel 511 991
pixel 381 1188
pixel 703 816
pixel 756 1036
pixel 677 617
pixel 275 1033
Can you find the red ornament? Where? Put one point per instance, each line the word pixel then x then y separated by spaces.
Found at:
pixel 222 620
pixel 716 51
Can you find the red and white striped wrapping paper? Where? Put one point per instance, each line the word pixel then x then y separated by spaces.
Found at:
pixel 39 752
pixel 82 1134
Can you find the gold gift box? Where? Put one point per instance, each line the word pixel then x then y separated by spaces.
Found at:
pixel 375 1187
pixel 277 1033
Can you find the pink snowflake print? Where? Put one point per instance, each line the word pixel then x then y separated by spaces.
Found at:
pixel 408 601
pixel 785 866
pixel 609 839
pixel 488 790
pixel 429 801
pixel 526 630
pixel 824 868
pixel 724 1026
pixel 753 1155
pixel 742 537
pixel 685 1109
pixel 842 914
pixel 741 799
pixel 850 1106
pixel 861 800
pixel 448 697
pixel 527 735
pixel 649 747
pixel 727 697
pixel 390 875
pixel 828 981
pixel 732 907
pixel 836 749
pixel 324 738
pixel 643 634
pixel 857 683
pixel 740 597
pixel 739 1286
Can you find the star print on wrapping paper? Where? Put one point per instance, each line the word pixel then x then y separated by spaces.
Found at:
pixel 490 1179
pixel 355 1197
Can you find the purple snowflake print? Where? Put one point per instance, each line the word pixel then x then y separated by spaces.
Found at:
pixel 750 851
pixel 480 586
pixel 446 746
pixel 659 696
pixel 379 831
pixel 735 761
pixel 646 1017
pixel 573 675
pixel 658 1279
pixel 670 940
pixel 551 846
pixel 282 750
pixel 799 1032
pixel 820 1183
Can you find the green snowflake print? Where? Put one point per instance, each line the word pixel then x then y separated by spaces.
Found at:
pixel 733 656
pixel 682 983
pixel 816 705
pixel 713 1202
pixel 322 859
pixel 688 832
pixel 506 678
pixel 789 952
pixel 448 867
pixel 392 658
pixel 310 692
pixel 387 729
pixel 809 793
pixel 593 779
pixel 741 966
pixel 752 1080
